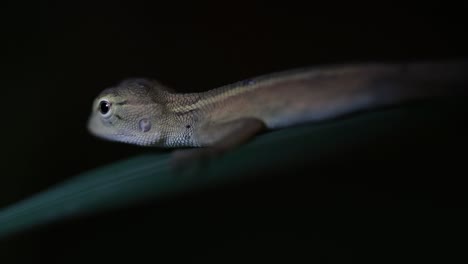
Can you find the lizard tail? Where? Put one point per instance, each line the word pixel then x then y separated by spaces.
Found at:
pixel 419 80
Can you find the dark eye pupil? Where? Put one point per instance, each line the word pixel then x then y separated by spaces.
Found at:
pixel 104 107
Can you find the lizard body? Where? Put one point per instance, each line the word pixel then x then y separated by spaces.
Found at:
pixel 144 112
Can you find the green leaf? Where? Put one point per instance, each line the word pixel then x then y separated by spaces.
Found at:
pixel 149 177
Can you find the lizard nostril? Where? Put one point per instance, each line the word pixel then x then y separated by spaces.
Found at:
pixel 144 125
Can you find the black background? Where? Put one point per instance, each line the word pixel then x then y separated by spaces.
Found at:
pixel 57 57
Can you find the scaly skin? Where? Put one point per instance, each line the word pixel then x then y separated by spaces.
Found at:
pixel 143 112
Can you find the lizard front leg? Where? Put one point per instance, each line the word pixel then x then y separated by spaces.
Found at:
pixel 219 138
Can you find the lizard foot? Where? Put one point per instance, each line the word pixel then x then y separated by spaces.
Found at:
pixel 192 159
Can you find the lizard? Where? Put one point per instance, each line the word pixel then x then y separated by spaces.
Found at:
pixel 145 112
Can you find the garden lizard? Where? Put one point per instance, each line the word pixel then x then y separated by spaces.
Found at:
pixel 144 112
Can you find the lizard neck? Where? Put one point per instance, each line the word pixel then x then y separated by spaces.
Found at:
pixel 194 102
pixel 177 127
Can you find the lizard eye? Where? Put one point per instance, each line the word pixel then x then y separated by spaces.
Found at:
pixel 104 107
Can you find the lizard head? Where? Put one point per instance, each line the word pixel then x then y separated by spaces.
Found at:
pixel 129 112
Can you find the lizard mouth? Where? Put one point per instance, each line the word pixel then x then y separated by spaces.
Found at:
pixel 113 134
pixel 119 136
pixel 97 129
